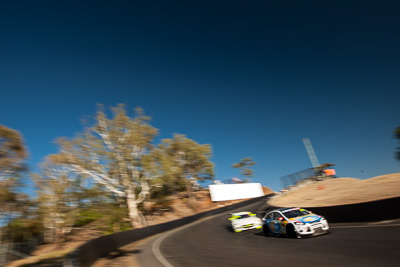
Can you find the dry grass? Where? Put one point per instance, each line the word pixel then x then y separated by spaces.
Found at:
pixel 341 191
pixel 49 259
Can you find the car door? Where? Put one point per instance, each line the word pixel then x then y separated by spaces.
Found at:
pixel 272 222
pixel 268 219
pixel 275 224
pixel 282 223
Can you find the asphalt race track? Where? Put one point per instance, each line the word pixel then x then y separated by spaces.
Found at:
pixel 212 243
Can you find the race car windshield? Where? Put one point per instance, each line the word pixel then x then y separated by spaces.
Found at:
pixel 295 213
pixel 243 216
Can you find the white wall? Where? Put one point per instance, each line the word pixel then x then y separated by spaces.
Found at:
pixel 222 192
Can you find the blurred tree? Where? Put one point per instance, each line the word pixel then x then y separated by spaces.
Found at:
pixel 183 162
pixel 397 136
pixel 25 228
pixel 244 166
pixel 111 153
pixel 12 153
pixel 60 196
pixel 13 205
pixel 12 166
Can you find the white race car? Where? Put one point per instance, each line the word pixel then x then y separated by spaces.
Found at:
pixel 294 222
pixel 244 220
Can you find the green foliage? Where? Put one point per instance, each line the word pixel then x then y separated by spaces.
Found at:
pixel 118 155
pixel 87 216
pixel 12 156
pixel 160 199
pixel 179 159
pixel 12 152
pixel 244 167
pixel 22 229
pixel 110 219
pixel 7 194
pixel 114 221
pixel 91 179
pixel 111 154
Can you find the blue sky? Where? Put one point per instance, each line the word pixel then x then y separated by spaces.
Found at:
pixel 251 78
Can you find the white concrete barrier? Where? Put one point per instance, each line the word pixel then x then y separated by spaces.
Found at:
pixel 223 192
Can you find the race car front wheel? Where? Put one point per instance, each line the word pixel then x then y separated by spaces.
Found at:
pixel 291 232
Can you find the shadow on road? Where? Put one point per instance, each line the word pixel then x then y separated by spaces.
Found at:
pixel 121 253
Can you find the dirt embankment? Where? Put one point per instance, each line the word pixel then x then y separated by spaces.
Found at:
pixel 340 191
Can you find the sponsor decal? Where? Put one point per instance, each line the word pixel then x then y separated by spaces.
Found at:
pixel 274 227
pixel 271 226
pixel 310 219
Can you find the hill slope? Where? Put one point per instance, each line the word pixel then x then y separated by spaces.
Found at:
pixel 340 191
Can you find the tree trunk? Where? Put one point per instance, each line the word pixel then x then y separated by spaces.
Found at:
pixel 134 212
pixel 189 190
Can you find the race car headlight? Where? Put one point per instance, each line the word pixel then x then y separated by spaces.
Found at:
pixel 298 223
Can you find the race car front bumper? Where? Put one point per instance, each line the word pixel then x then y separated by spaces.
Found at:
pixel 317 228
pixel 241 228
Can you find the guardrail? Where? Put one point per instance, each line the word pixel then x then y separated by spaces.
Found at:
pixel 379 210
pixel 89 252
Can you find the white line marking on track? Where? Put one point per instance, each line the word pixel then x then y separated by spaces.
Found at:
pixel 382 222
pixel 157 252
pixel 156 245
pixel 365 226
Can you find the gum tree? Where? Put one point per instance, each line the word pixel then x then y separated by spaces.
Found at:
pixel 244 166
pixel 12 166
pixel 183 162
pixel 111 153
pixel 12 153
pixel 59 193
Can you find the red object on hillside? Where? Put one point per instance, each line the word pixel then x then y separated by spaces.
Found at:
pixel 330 172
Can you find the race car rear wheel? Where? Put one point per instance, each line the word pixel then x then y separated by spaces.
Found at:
pixel 266 230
